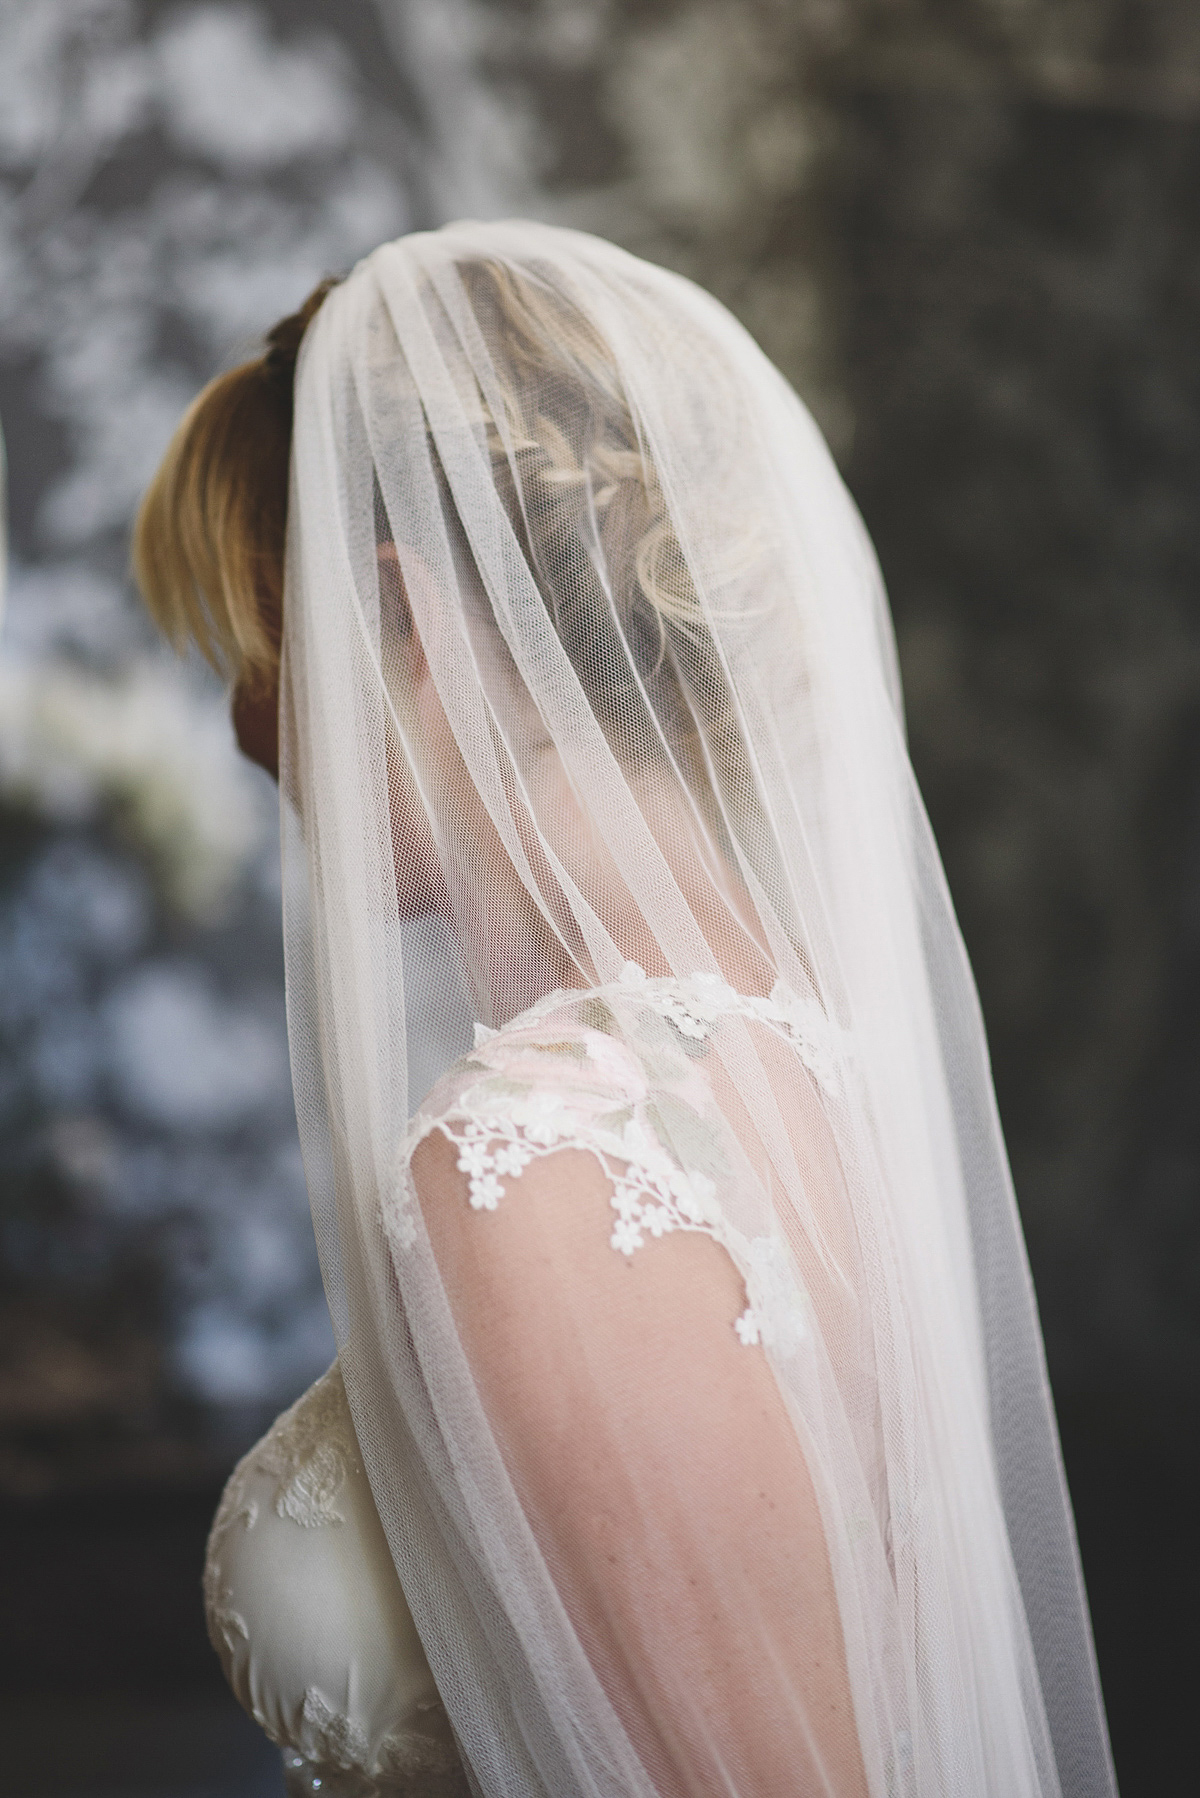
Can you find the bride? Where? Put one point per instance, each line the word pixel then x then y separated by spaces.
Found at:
pixel 689 1432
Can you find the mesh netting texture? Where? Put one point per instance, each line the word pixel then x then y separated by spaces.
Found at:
pixel 663 1209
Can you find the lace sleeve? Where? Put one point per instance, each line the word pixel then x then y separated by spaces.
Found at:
pixel 567 1076
pixel 309 1620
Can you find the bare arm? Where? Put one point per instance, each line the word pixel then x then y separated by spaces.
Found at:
pixel 662 1477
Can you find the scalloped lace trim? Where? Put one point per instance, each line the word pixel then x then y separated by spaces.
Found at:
pixel 587 1090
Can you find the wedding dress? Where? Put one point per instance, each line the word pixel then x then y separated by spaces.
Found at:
pixel 308 1618
pixel 690 1431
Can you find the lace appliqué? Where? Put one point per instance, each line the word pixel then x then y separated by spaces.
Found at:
pixel 227 1626
pixel 325 1735
pixel 652 1195
pixel 777 1315
pixel 579 1085
pixel 331 1757
pixel 695 1006
pixel 310 1450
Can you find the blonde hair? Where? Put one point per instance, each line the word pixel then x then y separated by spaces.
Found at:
pixel 208 541
pixel 546 335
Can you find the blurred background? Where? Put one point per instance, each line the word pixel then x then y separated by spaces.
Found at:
pixel 969 232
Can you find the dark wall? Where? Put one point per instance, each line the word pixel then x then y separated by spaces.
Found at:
pixel 1022 347
pixel 1023 352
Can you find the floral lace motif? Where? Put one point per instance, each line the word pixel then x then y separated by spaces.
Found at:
pixel 310 1450
pixel 630 1095
pixel 227 1626
pixel 331 1757
pixel 696 1005
pixel 325 1735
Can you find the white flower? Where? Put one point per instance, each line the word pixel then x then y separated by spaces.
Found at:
pixel 546 1134
pixel 684 1022
pixel 542 1116
pixel 483 1035
pixel 709 996
pixel 626 1236
pixel 486 1192
pixel 693 1005
pixel 512 1158
pixel 474 1158
pixel 657 1219
pixel 747 1328
pixel 625 1200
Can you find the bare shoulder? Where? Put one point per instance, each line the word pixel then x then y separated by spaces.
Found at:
pixel 559 1196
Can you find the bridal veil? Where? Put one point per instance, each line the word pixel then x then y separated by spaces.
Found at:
pixel 748 1483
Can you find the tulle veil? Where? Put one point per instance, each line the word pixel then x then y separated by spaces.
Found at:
pixel 589 681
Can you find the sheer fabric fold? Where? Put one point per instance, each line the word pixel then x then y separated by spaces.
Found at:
pixel 664 1214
